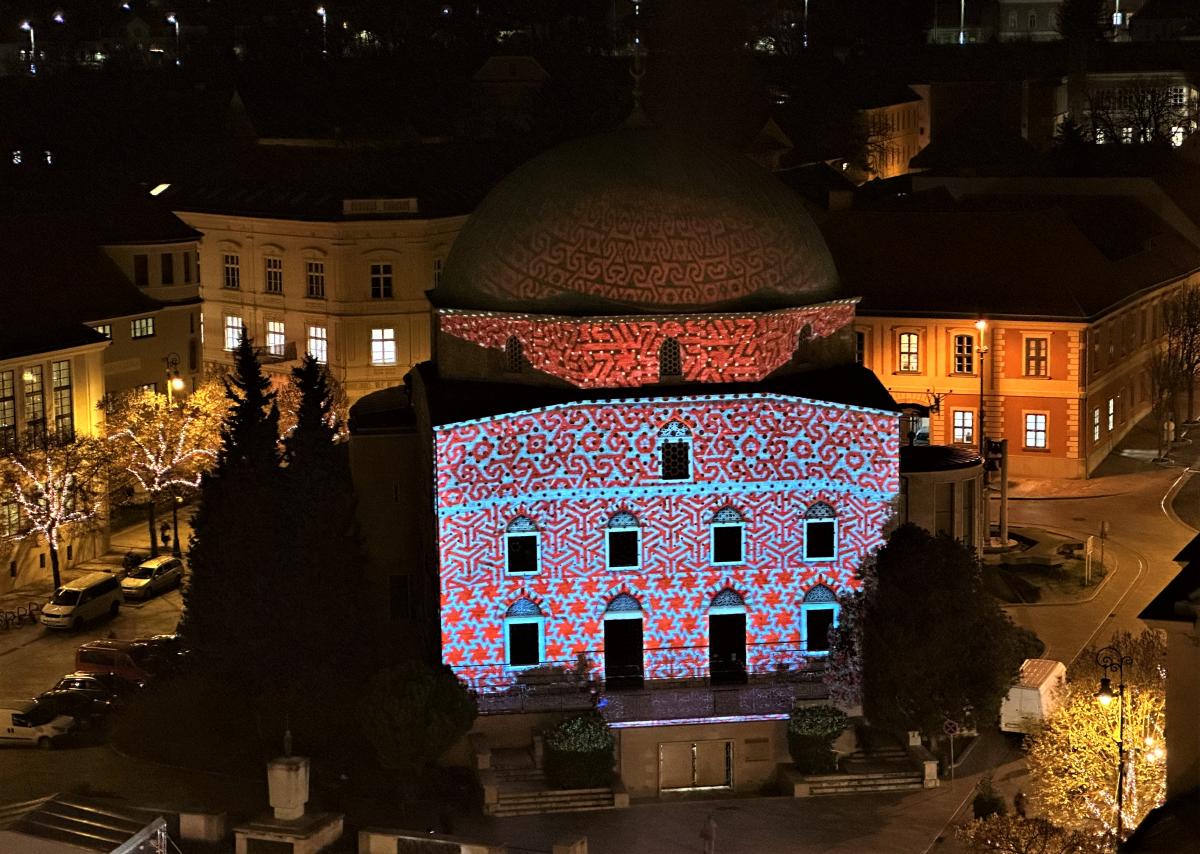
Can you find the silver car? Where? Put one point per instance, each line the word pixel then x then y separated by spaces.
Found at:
pixel 152 577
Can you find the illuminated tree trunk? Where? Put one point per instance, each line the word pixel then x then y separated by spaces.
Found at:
pixel 151 521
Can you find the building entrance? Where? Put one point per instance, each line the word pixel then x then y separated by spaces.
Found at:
pixel 623 653
pixel 727 649
pixel 685 765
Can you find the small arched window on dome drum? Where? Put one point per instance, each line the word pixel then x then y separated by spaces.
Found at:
pixel 514 355
pixel 670 360
pixel 675 451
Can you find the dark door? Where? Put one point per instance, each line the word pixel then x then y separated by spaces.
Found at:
pixel 819 622
pixel 727 648
pixel 623 654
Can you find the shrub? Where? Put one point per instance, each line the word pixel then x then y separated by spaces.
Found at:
pixel 811 732
pixel 579 753
pixel 988 801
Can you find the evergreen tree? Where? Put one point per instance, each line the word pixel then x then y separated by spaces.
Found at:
pixel 236 560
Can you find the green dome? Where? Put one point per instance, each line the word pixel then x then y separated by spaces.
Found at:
pixel 637 220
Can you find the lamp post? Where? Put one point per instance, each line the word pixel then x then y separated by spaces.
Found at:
pixel 173 19
pixel 324 30
pixel 28 27
pixel 982 349
pixel 174 381
pixel 1112 660
pixel 962 21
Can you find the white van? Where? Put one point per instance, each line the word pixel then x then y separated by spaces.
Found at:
pixel 1035 696
pixel 86 598
pixel 30 722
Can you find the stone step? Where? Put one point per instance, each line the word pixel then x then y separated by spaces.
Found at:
pixel 553 794
pixel 509 774
pixel 898 786
pixel 502 810
pixel 900 774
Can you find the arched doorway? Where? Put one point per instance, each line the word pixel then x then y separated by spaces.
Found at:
pixel 623 643
pixel 727 639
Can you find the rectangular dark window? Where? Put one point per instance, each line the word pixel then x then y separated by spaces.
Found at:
pixel 819 538
pixel 8 410
pixel 233 272
pixel 676 462
pixel 141 270
pixel 315 274
pixel 964 354
pixel 524 644
pixel 622 549
pixel 860 348
pixel 818 622
pixel 381 281
pixel 35 401
pixel 522 553
pixel 168 269
pixel 64 409
pixel 274 275
pixel 187 267
pixel 727 544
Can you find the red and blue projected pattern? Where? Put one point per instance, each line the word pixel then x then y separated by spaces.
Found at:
pixel 570 468
pixel 616 352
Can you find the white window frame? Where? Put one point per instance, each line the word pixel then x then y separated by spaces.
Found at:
pixel 276 337
pixel 383 347
pixel 540 621
pixel 273 275
pixel 820 520
pixel 1034 431
pixel 236 326
pixel 231 271
pixel 913 358
pixel 314 278
pixel 1025 355
pixel 1096 424
pixel 805 608
pixel 712 544
pixel 383 280
pixel 321 352
pixel 967 356
pixel 104 329
pixel 144 324
pixel 956 429
pixel 537 551
pixel 1112 414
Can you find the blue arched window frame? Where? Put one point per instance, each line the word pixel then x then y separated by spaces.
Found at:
pixel 819 599
pixel 524 612
pixel 820 527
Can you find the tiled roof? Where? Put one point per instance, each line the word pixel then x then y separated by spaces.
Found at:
pixel 922 458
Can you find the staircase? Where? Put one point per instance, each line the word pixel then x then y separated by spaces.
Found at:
pixel 521 789
pixel 886 768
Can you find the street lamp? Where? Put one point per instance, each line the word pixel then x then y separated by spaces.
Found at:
pixel 173 19
pixel 962 21
pixel 1112 660
pixel 981 326
pixel 324 30
pixel 28 27
pixel 174 381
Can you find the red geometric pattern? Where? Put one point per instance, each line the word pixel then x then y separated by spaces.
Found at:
pixel 618 352
pixel 570 468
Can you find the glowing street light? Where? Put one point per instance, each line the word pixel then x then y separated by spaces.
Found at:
pixel 28 27
pixel 1112 660
pixel 324 30
pixel 962 21
pixel 981 326
pixel 174 20
pixel 58 17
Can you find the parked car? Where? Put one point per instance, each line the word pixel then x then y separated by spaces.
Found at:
pixel 31 722
pixel 130 660
pixel 87 710
pixel 99 686
pixel 83 599
pixel 152 577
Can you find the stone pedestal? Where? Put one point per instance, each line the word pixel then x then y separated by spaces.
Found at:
pixel 287 785
pixel 306 835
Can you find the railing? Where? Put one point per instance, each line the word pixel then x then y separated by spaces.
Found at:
pixel 286 353
pixel 23 614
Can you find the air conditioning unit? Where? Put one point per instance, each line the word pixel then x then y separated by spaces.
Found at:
pixel 379 206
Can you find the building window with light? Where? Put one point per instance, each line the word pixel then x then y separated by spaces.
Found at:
pixel 521 547
pixel 623 542
pixel 64 406
pixel 728 538
pixel 276 337
pixel 10 518
pixel 233 272
pixel 141 327
pixel 1035 430
pixel 235 328
pixel 820 532
pixel 963 427
pixel 1112 414
pixel 1037 355
pixel 35 400
pixel 8 410
pixel 383 346
pixel 818 615
pixel 524 634
pixel 675 450
pixel 318 344
pixel 1096 424
pixel 381 281
pixel 964 354
pixel 910 352
pixel 314 272
pixel 104 329
pixel 274 275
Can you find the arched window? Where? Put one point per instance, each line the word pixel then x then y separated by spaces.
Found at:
pixel 524 634
pixel 728 601
pixel 818 614
pixel 728 540
pixel 670 361
pixel 514 355
pixel 675 451
pixel 820 532
pixel 521 542
pixel 623 607
pixel 623 542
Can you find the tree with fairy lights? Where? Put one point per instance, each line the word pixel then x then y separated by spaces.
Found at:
pixel 1099 743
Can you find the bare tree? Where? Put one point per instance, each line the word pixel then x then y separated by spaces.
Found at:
pixel 1166 376
pixel 1144 110
pixel 1181 316
pixel 880 141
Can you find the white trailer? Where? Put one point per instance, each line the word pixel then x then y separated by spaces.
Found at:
pixel 1035 695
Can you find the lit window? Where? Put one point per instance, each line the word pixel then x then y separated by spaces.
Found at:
pixel 1035 430
pixel 820 532
pixel 8 410
pixel 670 361
pixel 141 327
pixel 276 337
pixel 963 427
pixel 1096 424
pixel 910 352
pixel 104 329
pixel 64 409
pixel 521 547
pixel 728 537
pixel 274 274
pixel 315 274
pixel 623 541
pixel 1112 414
pixel 675 449
pixel 233 272
pixel 383 346
pixel 235 328
pixel 514 356
pixel 318 344
pixel 819 613
pixel 17 158
pixel 381 281
pixel 35 400
pixel 524 634
pixel 10 518
pixel 167 269
pixel 964 354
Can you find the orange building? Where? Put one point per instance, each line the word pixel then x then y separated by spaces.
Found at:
pixel 1069 292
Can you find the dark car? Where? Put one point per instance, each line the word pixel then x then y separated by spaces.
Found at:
pixel 87 710
pixel 98 686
